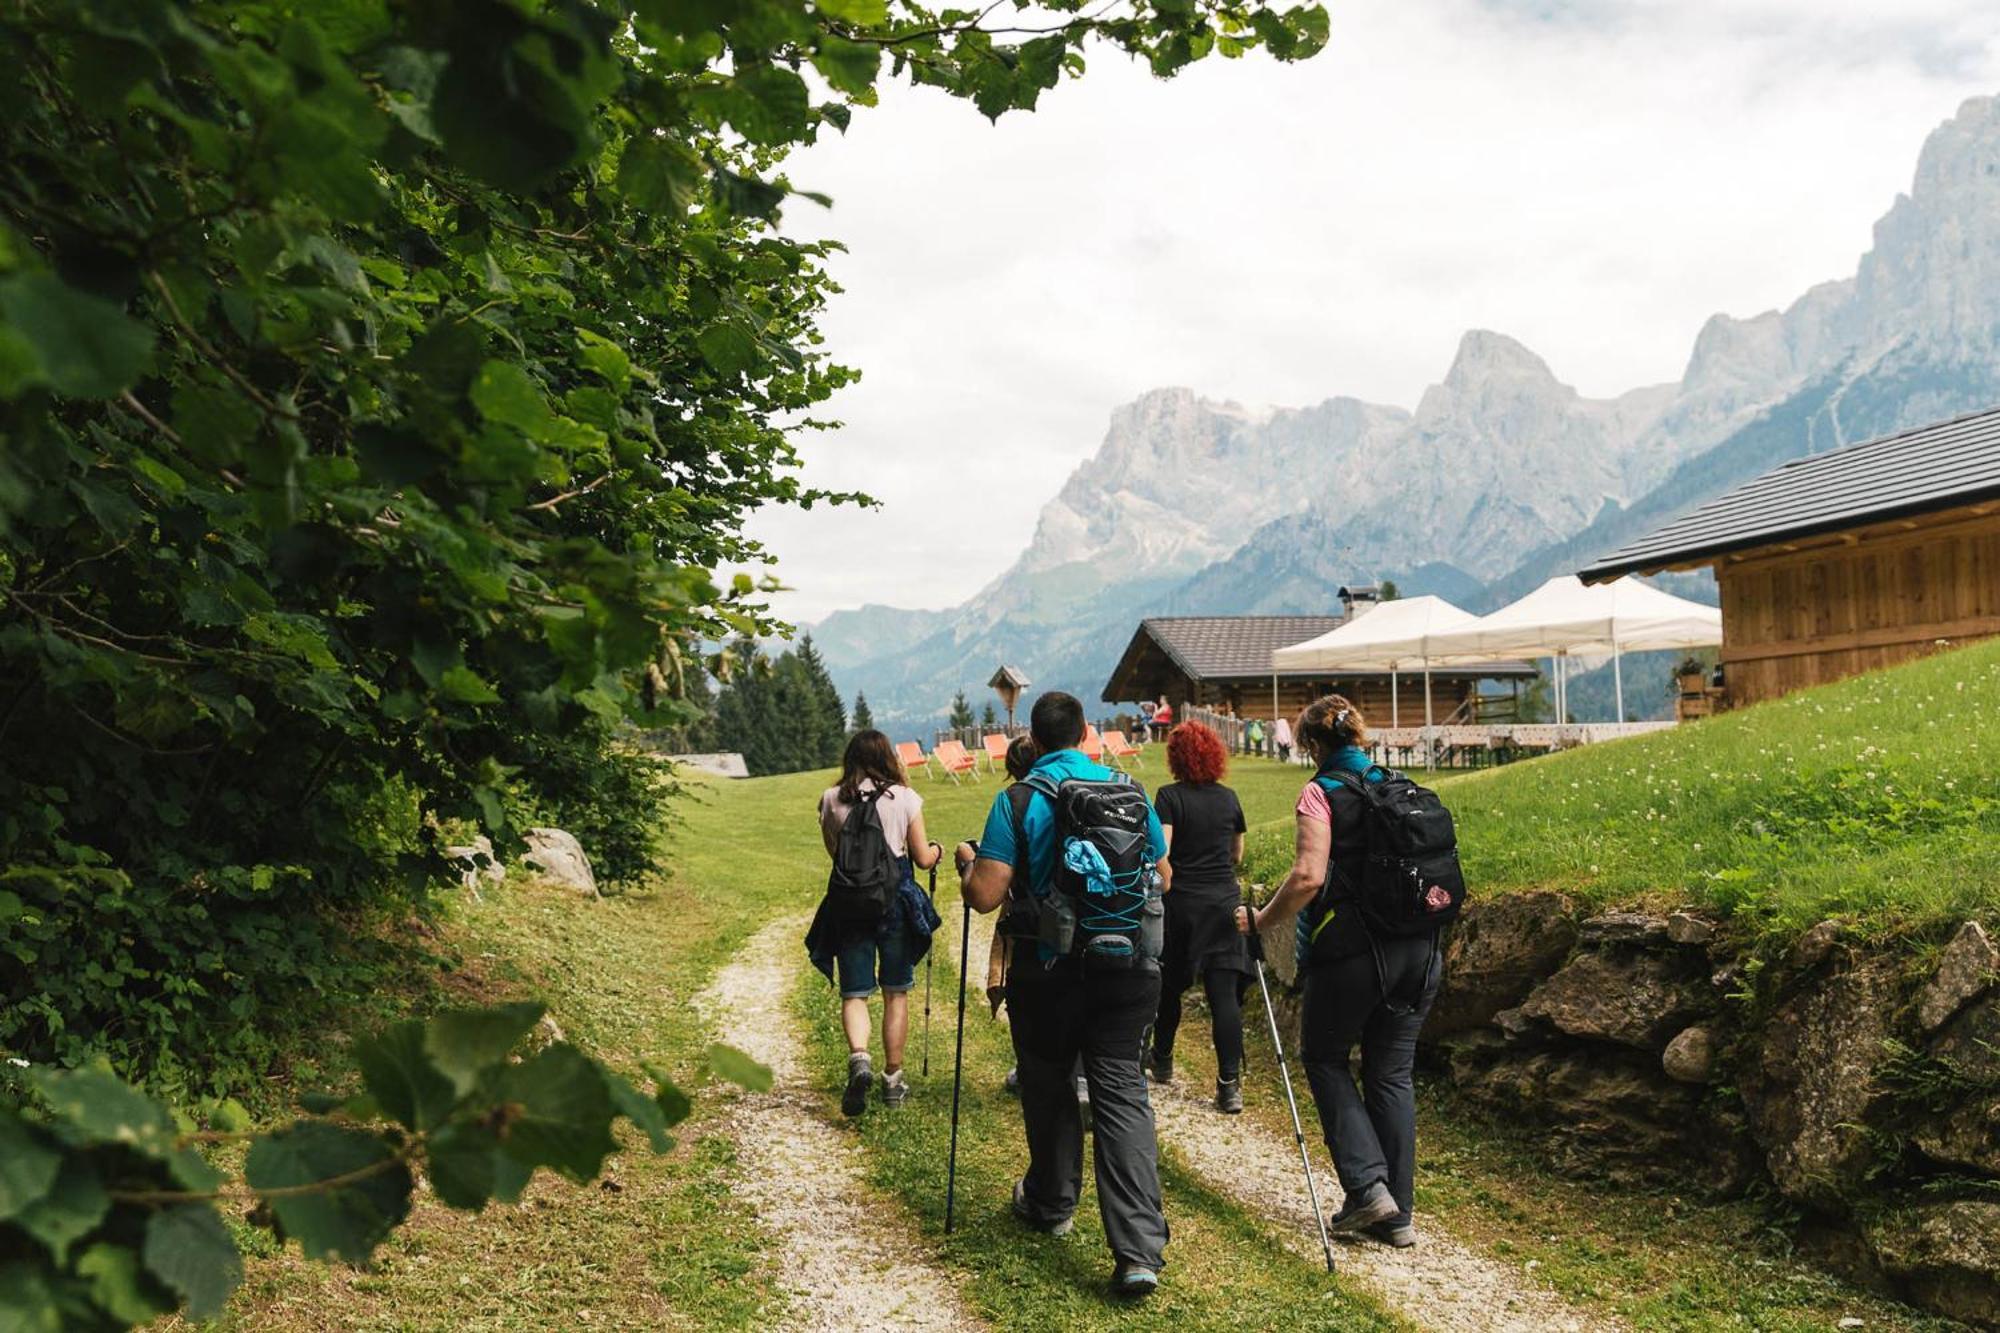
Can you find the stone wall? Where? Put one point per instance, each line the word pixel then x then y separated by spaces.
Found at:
pixel 1859 1083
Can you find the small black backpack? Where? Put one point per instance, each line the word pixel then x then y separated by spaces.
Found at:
pixel 865 872
pixel 1411 883
pixel 1103 905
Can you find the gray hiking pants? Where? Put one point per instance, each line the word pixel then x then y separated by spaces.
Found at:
pixel 1371 1130
pixel 1056 1014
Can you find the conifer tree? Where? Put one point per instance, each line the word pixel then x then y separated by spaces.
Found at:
pixel 863 719
pixel 961 710
pixel 987 717
pixel 826 715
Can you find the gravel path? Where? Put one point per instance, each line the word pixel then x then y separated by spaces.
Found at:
pixel 848 1263
pixel 1440 1284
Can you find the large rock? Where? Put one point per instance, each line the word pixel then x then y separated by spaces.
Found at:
pixel 1812 1092
pixel 475 861
pixel 1945 1256
pixel 1623 928
pixel 1634 999
pixel 1968 1135
pixel 557 855
pixel 1604 1113
pixel 1965 970
pixel 1496 954
pixel 1690 1057
pixel 1971 1042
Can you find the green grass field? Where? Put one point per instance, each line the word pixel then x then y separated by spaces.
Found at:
pixel 1868 799
pixel 1876 800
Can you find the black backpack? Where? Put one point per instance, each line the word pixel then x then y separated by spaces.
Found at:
pixel 1411 883
pixel 865 872
pixel 1102 905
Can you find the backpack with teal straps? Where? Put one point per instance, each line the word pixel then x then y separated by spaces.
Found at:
pixel 1102 905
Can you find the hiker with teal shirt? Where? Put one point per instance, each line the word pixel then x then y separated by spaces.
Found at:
pixel 1094 873
pixel 882 949
pixel 1362 987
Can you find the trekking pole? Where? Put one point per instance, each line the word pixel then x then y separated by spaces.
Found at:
pixel 957 1061
pixel 1285 1076
pixel 930 956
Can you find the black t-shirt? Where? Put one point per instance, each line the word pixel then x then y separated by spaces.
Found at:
pixel 1206 817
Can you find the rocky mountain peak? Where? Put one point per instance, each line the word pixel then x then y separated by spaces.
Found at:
pixel 1485 357
pixel 1934 272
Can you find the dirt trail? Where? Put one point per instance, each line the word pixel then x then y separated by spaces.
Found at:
pixel 1440 1284
pixel 847 1263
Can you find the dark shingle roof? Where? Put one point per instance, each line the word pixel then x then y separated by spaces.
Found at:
pixel 1208 647
pixel 1932 467
pixel 1231 647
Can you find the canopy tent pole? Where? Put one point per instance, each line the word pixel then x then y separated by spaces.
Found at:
pixel 1430 740
pixel 1274 705
pixel 1395 708
pixel 1617 679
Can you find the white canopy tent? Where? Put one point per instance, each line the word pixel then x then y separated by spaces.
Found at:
pixel 1392 637
pixel 1566 617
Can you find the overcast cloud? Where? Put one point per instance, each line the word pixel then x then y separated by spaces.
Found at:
pixel 1592 177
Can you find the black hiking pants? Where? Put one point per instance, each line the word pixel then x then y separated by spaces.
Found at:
pixel 1057 1015
pixel 1370 1130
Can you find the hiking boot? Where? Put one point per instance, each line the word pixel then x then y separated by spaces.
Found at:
pixel 1398 1235
pixel 859 1075
pixel 1229 1096
pixel 1361 1211
pixel 895 1089
pixel 1029 1220
pixel 1133 1281
pixel 1160 1068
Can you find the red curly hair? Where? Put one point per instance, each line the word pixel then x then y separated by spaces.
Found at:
pixel 1196 754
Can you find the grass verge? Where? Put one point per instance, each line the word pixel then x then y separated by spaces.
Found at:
pixel 665 1244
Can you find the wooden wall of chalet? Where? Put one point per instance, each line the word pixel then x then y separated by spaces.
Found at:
pixel 1857 602
pixel 1251 698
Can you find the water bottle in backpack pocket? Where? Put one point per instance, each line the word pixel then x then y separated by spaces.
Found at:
pixel 1103 904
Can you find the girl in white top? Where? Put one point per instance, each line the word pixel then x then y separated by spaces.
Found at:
pixel 866 955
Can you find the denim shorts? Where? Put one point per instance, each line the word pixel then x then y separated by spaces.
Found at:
pixel 861 960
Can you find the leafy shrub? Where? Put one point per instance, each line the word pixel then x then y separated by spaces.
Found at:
pixel 108 1210
pixel 382 386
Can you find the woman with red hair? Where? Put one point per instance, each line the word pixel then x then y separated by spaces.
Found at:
pixel 1203 822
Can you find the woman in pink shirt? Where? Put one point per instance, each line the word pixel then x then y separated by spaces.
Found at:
pixel 1360 989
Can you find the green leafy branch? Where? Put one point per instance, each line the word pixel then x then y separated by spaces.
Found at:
pixel 108 1212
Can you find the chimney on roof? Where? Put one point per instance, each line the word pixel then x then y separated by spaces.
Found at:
pixel 1359 597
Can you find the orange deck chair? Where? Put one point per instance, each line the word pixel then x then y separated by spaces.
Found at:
pixel 1093 744
pixel 1117 749
pixel 996 752
pixel 914 758
pixel 953 758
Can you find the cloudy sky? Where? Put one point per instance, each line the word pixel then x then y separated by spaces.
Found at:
pixel 1593 177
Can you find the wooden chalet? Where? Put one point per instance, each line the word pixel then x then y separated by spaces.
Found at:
pixel 1208 661
pixel 1846 561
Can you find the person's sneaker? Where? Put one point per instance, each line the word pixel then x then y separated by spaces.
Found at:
pixel 1133 1281
pixel 1363 1210
pixel 1229 1096
pixel 1028 1218
pixel 1400 1235
pixel 1012 1083
pixel 895 1089
pixel 859 1075
pixel 1160 1068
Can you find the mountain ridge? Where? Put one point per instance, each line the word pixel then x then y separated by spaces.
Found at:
pixel 1500 476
